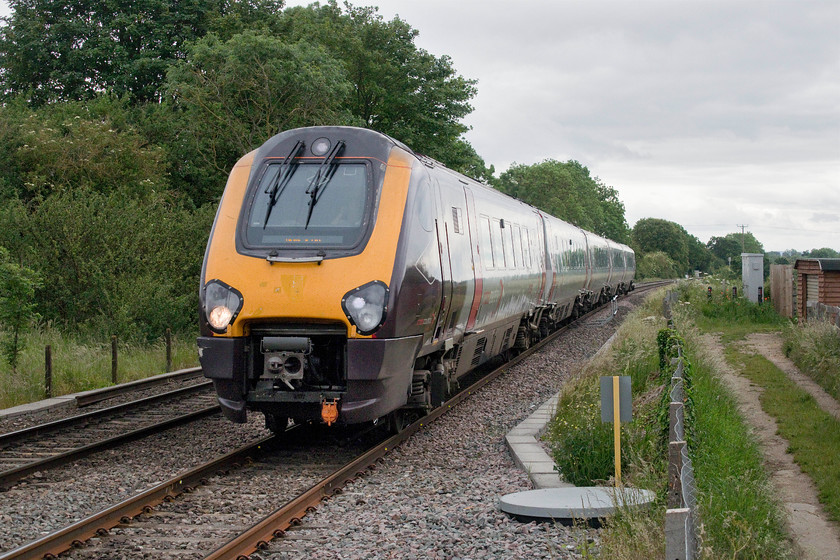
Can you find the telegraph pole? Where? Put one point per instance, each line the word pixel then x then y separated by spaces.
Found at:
pixel 743 244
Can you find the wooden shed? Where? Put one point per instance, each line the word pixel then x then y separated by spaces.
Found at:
pixel 819 285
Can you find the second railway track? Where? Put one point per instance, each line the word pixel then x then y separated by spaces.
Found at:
pixel 45 446
pixel 186 531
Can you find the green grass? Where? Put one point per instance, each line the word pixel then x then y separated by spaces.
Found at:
pixel 815 348
pixel 740 514
pixel 80 365
pixel 813 434
pixel 583 446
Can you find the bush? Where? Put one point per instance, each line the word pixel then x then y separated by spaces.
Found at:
pixel 111 263
pixel 656 265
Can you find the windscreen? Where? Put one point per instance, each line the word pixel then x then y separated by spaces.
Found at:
pixel 306 205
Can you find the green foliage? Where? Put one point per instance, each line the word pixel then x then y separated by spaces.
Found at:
pixel 741 515
pixel 567 191
pixel 722 306
pixel 656 265
pixel 53 50
pixel 86 145
pixel 652 235
pixel 814 346
pixel 110 263
pixel 397 88
pixel 228 97
pixel 824 253
pixel 582 446
pixel 731 246
pixel 17 308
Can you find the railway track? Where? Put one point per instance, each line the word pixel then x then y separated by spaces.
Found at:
pixel 153 520
pixel 46 446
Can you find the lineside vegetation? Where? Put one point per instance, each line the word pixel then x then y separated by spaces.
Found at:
pixel 740 515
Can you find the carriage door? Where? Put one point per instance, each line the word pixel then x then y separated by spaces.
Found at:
pixel 443 225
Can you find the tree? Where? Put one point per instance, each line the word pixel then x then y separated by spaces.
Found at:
pixel 17 307
pixel 824 253
pixel 54 50
pixel 654 234
pixel 567 191
pixel 656 265
pixel 74 144
pixel 397 88
pixel 229 97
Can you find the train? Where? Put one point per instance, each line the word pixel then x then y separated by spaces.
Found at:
pixel 348 279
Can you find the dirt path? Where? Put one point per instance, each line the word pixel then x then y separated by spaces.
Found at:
pixel 810 528
pixel 770 346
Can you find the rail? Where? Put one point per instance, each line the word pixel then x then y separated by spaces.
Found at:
pixel 274 525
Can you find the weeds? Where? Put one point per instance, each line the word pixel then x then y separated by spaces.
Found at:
pixel 80 365
pixel 815 348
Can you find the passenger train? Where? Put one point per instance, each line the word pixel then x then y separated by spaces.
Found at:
pixel 348 279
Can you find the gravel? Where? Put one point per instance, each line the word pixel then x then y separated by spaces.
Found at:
pixel 435 496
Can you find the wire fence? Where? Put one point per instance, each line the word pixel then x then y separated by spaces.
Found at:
pixel 681 519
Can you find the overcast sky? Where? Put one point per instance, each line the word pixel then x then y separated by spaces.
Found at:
pixel 709 114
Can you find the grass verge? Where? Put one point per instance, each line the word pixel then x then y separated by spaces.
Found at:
pixel 740 515
pixel 815 349
pixel 813 434
pixel 80 365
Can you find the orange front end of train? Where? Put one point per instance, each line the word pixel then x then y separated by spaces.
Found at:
pixel 297 276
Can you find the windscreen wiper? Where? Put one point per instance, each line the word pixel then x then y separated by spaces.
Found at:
pixel 287 169
pixel 322 178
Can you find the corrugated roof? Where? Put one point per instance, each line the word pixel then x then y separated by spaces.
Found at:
pixel 825 264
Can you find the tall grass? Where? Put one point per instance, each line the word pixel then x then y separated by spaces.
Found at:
pixel 731 316
pixel 583 446
pixel 79 364
pixel 740 514
pixel 815 348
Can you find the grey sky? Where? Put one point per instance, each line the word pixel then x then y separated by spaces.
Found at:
pixel 709 114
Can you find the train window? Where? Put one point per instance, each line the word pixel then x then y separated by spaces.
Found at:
pixel 424 208
pixel 498 245
pixel 516 241
pixel 284 213
pixel 456 220
pixel 526 248
pixel 486 245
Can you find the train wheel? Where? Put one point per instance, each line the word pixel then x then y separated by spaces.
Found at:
pixel 277 424
pixel 401 418
pixel 523 339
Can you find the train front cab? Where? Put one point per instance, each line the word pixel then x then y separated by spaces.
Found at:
pixel 301 313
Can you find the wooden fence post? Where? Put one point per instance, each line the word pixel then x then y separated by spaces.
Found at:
pixel 168 350
pixel 48 371
pixel 114 359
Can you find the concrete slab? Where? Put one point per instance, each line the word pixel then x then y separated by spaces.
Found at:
pixel 575 503
pixel 64 400
pixel 549 480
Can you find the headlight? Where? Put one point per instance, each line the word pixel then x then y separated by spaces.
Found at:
pixel 221 304
pixel 365 306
